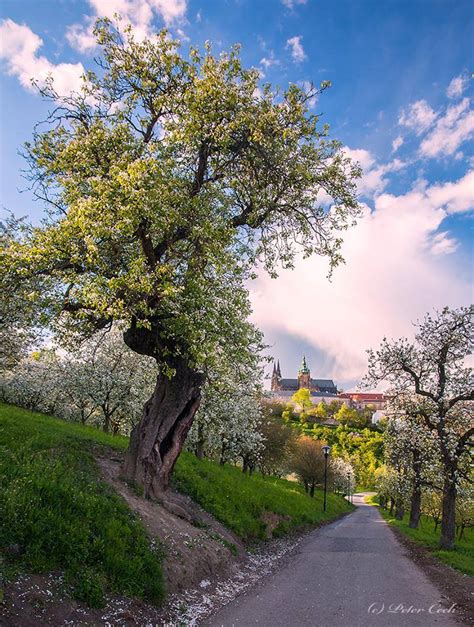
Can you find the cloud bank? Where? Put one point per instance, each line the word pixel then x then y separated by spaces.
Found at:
pixel 397 267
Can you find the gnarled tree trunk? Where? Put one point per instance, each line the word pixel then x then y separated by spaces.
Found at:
pixel 158 438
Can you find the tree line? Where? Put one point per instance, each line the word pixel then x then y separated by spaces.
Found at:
pixel 430 436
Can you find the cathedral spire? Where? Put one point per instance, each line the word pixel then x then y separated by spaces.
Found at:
pixel 304 366
pixel 278 371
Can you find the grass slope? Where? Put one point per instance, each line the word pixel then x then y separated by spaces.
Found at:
pixel 461 558
pixel 55 513
pixel 239 501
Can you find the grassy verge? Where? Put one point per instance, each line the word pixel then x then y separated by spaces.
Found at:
pixel 55 514
pixel 240 501
pixel 461 558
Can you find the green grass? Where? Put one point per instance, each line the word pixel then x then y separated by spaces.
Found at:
pixel 239 501
pixel 61 517
pixel 461 558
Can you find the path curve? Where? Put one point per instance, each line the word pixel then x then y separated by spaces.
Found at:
pixel 350 573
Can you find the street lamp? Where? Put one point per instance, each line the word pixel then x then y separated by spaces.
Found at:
pixel 326 451
pixel 350 488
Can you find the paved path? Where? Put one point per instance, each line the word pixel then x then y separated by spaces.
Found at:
pixel 350 573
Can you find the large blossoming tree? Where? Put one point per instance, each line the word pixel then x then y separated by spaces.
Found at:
pixel 166 180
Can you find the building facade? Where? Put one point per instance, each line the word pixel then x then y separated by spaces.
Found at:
pixel 361 400
pixel 321 389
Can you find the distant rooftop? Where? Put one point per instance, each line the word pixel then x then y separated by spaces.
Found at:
pixel 364 396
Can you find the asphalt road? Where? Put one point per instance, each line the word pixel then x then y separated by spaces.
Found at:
pixel 350 573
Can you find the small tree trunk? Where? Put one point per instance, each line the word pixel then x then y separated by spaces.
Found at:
pixel 311 491
pixel 199 451
pixel 157 440
pixel 415 505
pixel 400 511
pixel 415 508
pixel 106 426
pixel 448 516
pixel 200 444
pixel 391 506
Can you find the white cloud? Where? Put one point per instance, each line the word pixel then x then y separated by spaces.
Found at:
pixel 457 86
pixel 290 4
pixel 450 131
pixel 269 60
pixel 418 117
pixel 442 244
pixel 297 50
pixel 80 37
pixel 138 13
pixel 455 197
pixel 182 35
pixel 19 47
pixel 396 269
pixel 397 143
pixel 374 176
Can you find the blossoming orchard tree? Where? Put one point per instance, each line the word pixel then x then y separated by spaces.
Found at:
pixel 434 383
pixel 226 426
pixel 166 180
pixel 411 451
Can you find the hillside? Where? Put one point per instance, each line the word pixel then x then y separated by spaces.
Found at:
pixel 64 509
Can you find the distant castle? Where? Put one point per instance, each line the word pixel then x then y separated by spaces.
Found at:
pixel 286 387
pixel 324 390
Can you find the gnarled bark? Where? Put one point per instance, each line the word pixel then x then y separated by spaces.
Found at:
pixel 158 438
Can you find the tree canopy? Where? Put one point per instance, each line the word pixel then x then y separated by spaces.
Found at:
pixel 165 179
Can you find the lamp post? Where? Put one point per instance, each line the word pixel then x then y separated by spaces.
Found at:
pixel 349 488
pixel 326 451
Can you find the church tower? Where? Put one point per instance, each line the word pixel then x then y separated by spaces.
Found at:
pixel 304 375
pixel 276 376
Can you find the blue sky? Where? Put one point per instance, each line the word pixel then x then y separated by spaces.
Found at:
pixel 401 72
